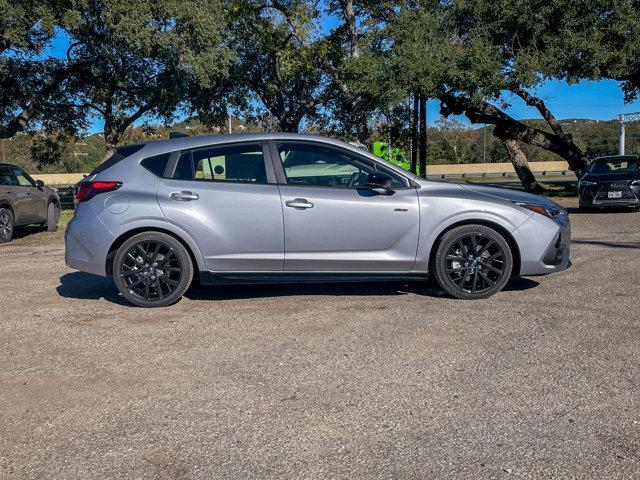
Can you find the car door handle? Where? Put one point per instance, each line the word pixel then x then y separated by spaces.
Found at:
pixel 299 203
pixel 184 196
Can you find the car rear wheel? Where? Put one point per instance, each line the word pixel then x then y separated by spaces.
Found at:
pixel 472 262
pixel 152 269
pixel 6 225
pixel 53 217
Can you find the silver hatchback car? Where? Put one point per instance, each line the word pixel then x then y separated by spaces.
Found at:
pixel 280 208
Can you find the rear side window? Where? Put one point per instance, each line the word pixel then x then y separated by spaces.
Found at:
pixel 120 154
pixel 237 163
pixel 156 164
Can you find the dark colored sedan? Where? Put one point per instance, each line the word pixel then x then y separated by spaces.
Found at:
pixel 611 182
pixel 25 201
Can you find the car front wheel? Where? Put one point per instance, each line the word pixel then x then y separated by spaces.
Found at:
pixel 152 269
pixel 472 262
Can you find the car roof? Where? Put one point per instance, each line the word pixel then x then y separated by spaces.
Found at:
pixel 179 143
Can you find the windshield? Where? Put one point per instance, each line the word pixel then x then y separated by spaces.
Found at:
pixel 614 165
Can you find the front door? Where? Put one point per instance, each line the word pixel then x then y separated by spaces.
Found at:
pixel 222 197
pixel 332 224
pixel 35 204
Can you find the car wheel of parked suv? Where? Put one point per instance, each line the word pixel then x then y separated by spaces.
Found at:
pixel 53 217
pixel 152 269
pixel 6 225
pixel 472 261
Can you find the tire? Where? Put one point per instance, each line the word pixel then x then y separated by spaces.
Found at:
pixel 53 217
pixel 142 284
pixel 467 275
pixel 6 225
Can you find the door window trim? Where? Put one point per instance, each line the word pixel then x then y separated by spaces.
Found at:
pixel 282 177
pixel 175 156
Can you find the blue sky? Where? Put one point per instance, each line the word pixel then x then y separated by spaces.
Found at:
pixel 596 100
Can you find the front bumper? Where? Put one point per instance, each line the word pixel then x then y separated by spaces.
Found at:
pixel 602 196
pixel 545 245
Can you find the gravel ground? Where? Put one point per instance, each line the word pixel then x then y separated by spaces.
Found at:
pixel 365 381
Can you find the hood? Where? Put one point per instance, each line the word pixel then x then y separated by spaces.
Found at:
pixel 509 194
pixel 612 177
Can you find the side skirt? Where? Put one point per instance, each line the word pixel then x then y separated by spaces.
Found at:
pixel 227 278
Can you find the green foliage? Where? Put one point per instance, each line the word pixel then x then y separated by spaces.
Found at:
pixel 55 153
pixel 144 58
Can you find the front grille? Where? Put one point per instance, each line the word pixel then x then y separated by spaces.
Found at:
pixel 627 193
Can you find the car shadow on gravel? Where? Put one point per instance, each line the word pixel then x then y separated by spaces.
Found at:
pixel 85 286
pixel 427 289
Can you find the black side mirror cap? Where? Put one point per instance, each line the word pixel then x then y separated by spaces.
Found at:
pixel 380 183
pixel 39 183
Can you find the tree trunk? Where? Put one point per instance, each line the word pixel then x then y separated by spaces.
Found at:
pixel 18 124
pixel 352 28
pixel 414 135
pixel 423 137
pixel 520 164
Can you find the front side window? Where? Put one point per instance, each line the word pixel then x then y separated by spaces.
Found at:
pixel 317 165
pixel 23 179
pixel 239 163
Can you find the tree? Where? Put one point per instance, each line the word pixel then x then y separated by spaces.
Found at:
pixel 465 54
pixel 276 61
pixel 55 152
pixel 131 61
pixel 33 88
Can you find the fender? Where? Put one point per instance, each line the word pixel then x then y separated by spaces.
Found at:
pixel 162 224
pixel 430 231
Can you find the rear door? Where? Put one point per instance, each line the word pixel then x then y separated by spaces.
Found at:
pixel 332 224
pixel 226 198
pixel 18 195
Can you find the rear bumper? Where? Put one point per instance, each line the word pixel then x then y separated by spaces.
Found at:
pixel 545 246
pixel 87 241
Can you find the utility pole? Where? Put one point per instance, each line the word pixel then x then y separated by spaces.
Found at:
pixel 423 137
pixel 414 135
pixel 484 144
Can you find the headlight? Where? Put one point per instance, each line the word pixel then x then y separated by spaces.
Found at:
pixel 550 211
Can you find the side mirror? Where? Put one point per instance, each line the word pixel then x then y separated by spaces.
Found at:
pixel 380 183
pixel 39 183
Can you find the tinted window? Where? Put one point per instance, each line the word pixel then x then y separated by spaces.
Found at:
pixel 23 179
pixel 306 164
pixel 241 163
pixel 7 177
pixel 156 164
pixel 120 154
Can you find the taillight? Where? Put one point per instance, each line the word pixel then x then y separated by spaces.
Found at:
pixel 88 190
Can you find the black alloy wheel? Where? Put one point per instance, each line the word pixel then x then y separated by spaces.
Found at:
pixel 6 225
pixel 472 262
pixel 152 269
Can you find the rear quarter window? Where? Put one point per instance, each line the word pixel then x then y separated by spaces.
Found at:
pixel 120 154
pixel 156 164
